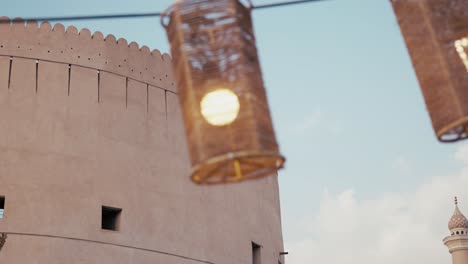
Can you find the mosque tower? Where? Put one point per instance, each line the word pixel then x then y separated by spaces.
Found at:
pixel 457 242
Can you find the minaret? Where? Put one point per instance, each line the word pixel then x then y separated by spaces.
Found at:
pixel 457 242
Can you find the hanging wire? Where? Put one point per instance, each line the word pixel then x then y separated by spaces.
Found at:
pixel 141 15
pixel 280 4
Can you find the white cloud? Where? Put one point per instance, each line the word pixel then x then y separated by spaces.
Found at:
pixel 462 153
pixel 309 121
pixel 396 228
pixel 317 120
pixel 402 165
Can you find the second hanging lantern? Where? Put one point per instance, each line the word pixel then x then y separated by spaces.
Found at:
pixel 436 35
pixel 224 105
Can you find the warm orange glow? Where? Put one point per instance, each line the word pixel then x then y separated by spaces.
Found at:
pixel 460 46
pixel 220 107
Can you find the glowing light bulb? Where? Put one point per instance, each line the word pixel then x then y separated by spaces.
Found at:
pixel 220 107
pixel 460 46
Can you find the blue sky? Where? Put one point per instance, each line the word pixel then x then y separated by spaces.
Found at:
pixel 346 104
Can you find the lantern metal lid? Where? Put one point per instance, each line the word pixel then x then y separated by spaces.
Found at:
pixel 436 35
pixel 224 104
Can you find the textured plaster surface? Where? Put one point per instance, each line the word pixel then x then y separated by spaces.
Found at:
pixel 77 134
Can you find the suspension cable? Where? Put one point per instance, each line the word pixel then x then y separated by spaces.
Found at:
pixel 141 15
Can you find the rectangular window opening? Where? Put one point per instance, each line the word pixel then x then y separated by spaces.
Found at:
pixel 256 253
pixel 110 218
pixel 2 206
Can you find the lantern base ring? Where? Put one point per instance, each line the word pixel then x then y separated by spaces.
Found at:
pixel 236 167
pixel 454 131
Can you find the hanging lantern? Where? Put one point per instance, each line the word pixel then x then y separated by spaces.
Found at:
pixel 223 101
pixel 436 35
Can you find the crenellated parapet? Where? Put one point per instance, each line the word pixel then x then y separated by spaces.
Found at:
pixel 28 39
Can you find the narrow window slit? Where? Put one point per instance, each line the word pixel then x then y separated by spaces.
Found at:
pixel 165 102
pixel 98 86
pixel 147 98
pixel 126 92
pixel 69 78
pixel 256 253
pixel 37 74
pixel 2 207
pixel 9 72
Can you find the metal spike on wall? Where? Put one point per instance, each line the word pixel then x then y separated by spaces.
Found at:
pixel 3 238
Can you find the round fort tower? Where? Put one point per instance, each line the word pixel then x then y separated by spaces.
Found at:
pixel 94 166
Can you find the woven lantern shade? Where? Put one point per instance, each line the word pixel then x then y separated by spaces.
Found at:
pixel 436 35
pixel 223 100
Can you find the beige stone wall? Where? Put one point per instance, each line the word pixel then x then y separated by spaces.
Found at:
pixel 87 121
